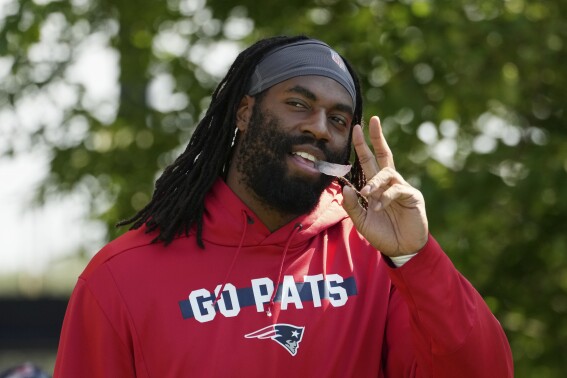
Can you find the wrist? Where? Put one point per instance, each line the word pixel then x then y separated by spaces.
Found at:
pixel 398 261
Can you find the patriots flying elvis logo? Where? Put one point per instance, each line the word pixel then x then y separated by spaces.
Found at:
pixel 337 58
pixel 287 335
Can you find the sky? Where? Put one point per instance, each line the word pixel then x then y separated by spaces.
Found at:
pixel 32 236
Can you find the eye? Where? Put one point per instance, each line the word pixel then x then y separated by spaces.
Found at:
pixel 342 121
pixel 296 104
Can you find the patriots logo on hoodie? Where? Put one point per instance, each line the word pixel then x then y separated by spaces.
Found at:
pixel 287 335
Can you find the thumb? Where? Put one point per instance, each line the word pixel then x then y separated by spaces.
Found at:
pixel 352 207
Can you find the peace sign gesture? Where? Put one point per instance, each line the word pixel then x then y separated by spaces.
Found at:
pixel 395 222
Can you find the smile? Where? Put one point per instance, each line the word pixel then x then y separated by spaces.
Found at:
pixel 306 156
pixel 305 163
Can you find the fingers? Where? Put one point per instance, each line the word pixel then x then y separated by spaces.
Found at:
pixel 381 158
pixel 382 151
pixel 382 181
pixel 352 207
pixel 365 155
pixel 402 194
pixel 386 186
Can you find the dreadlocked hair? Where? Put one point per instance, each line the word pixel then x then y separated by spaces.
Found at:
pixel 178 201
pixel 356 174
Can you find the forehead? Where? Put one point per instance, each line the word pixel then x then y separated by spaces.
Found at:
pixel 322 88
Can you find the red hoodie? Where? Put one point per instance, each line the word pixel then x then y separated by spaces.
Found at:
pixel 340 309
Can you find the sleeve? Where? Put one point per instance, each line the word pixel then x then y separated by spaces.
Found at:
pixel 90 345
pixel 439 325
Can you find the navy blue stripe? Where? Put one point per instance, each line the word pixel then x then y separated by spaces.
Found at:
pixel 246 295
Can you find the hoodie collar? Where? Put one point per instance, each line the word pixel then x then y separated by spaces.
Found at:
pixel 223 225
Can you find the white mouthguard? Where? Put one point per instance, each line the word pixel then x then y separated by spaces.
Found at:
pixel 331 169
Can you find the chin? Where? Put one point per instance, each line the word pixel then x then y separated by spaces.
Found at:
pixel 293 195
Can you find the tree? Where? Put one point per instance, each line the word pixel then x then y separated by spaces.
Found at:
pixel 471 95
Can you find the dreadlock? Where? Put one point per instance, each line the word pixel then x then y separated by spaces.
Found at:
pixel 357 177
pixel 178 201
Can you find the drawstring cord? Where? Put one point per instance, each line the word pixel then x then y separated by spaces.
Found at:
pixel 296 229
pixel 247 220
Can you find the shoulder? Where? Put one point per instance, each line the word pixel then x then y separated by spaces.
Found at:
pixel 129 242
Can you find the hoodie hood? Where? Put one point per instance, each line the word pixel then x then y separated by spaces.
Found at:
pixel 225 217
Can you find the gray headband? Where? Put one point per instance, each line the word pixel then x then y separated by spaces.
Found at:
pixel 307 57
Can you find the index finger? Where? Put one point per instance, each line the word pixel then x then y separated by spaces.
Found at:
pixel 365 155
pixel 382 151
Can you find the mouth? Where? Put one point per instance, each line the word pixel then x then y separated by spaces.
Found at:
pixel 306 156
pixel 329 169
pixel 305 162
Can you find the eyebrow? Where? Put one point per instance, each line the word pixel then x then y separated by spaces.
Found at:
pixel 311 96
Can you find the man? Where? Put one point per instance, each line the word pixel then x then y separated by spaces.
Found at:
pixel 248 261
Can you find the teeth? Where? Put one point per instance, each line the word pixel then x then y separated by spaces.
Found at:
pixel 306 156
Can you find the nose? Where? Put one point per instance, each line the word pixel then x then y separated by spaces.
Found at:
pixel 317 126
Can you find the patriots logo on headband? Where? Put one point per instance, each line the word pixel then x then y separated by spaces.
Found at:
pixel 287 335
pixel 337 58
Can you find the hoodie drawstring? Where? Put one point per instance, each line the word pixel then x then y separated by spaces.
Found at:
pixel 247 220
pixel 296 229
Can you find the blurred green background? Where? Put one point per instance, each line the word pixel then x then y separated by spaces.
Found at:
pixel 471 93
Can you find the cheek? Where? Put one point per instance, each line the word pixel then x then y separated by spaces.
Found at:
pixel 341 144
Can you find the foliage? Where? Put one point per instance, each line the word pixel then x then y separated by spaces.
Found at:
pixel 471 95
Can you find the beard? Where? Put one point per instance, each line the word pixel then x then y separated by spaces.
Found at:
pixel 261 160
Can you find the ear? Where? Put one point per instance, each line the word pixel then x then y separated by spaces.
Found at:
pixel 244 112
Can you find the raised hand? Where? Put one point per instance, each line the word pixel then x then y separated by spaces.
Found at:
pixel 395 222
